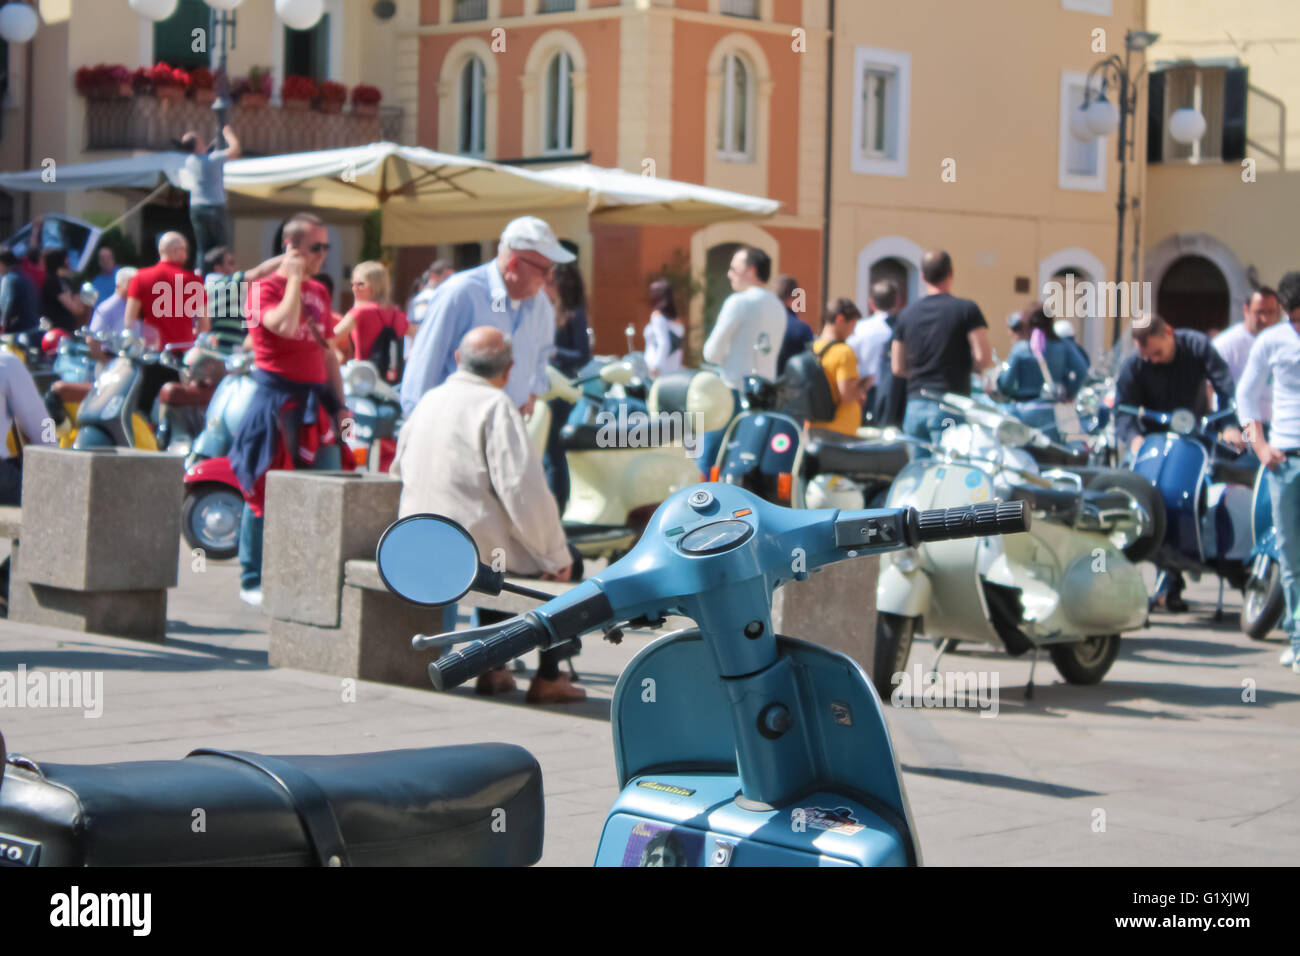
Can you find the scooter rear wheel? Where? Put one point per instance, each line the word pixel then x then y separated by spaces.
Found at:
pixel 1086 661
pixel 210 520
pixel 1262 603
pixel 894 634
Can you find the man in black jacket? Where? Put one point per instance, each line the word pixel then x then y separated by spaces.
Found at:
pixel 1169 371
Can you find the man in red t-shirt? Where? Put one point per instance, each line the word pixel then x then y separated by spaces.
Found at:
pixel 294 417
pixel 167 297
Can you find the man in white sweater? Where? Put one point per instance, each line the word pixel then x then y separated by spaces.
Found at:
pixel 465 453
pixel 751 324
pixel 1276 354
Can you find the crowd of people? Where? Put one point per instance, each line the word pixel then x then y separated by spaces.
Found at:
pixel 469 355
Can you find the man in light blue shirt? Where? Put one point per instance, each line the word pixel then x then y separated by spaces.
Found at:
pixel 110 314
pixel 508 294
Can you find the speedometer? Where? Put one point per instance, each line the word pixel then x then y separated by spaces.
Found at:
pixel 716 537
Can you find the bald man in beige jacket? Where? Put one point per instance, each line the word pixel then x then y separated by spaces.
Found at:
pixel 465 453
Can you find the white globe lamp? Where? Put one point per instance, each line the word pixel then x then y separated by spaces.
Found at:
pixel 1186 125
pixel 223 4
pixel 1103 117
pixel 18 22
pixel 1079 127
pixel 300 14
pixel 154 9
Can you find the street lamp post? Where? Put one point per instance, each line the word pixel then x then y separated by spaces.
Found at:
pixel 1102 118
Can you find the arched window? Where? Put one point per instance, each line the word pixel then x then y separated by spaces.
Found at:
pixel 473 108
pixel 557 99
pixel 735 110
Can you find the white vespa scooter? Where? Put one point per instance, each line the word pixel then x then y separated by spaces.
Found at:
pixel 1071 584
pixel 622 467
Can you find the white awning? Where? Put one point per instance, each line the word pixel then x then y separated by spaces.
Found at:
pixel 146 171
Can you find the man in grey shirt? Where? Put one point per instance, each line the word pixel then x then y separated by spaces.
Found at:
pixel 206 172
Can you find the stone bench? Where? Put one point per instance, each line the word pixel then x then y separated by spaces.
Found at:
pixel 11 522
pixel 373 638
pixel 106 552
pixel 330 611
pixel 835 607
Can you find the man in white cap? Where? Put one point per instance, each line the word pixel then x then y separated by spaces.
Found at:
pixel 507 293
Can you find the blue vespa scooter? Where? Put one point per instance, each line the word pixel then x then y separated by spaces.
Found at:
pixel 1208 498
pixel 1263 603
pixel 734 746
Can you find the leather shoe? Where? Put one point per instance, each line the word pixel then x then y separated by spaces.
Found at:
pixel 495 682
pixel 558 691
pixel 1175 604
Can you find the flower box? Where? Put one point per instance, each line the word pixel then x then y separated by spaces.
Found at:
pixel 302 105
pixel 331 106
pixel 169 93
pixel 365 109
pixel 205 97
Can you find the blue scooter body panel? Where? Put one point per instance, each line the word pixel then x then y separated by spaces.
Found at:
pixel 673 715
pixel 1177 466
pixel 669 819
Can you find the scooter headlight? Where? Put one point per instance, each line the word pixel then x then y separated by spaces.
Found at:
pixel 1088 402
pixel 907 560
pixel 360 378
pixel 1182 422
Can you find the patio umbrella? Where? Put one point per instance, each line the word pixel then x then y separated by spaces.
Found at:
pixel 427 197
pixel 617 197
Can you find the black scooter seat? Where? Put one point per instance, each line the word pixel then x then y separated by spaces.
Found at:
pixel 1066 504
pixel 1231 473
pixel 831 453
pixel 603 438
pixel 478 805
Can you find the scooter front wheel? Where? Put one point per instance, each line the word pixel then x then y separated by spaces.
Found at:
pixel 1086 661
pixel 210 520
pixel 1262 603
pixel 894 633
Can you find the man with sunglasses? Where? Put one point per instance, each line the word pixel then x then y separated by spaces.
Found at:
pixel 507 293
pixel 293 418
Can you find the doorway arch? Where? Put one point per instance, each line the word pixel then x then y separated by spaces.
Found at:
pixel 1162 257
pixel 1085 267
pixel 877 255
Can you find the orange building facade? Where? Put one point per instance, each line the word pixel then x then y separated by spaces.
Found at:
pixel 724 93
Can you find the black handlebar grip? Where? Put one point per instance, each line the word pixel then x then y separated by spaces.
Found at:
pixel 972 521
pixel 478 657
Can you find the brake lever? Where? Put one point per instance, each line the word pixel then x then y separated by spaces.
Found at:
pixel 421 642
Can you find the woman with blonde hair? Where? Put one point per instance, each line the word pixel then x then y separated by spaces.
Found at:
pixel 358 335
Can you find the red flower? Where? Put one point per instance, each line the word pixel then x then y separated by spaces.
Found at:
pixel 332 92
pixel 366 95
pixel 201 79
pixel 298 88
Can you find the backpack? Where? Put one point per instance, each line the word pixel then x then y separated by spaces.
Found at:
pixel 386 354
pixel 805 389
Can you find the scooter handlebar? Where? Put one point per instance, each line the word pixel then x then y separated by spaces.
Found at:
pixel 972 521
pixel 516 637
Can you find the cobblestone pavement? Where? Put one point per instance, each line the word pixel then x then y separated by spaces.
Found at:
pixel 1166 751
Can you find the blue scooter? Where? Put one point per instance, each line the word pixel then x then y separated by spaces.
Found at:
pixel 734 746
pixel 1263 602
pixel 1208 498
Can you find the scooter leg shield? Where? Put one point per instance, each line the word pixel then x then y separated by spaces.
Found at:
pixel 901 592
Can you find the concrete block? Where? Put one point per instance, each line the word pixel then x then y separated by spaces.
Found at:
pixel 315 522
pixel 108 520
pixel 11 522
pixel 835 607
pixel 373 641
pixel 137 614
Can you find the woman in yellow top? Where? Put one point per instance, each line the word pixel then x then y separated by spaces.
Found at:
pixel 841 367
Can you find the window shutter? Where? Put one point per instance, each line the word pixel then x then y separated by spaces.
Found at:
pixel 1234 113
pixel 1155 117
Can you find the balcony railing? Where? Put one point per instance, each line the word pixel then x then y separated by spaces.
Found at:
pixel 143 122
pixel 469 10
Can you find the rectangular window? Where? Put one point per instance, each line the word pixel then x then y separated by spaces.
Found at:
pixel 881 96
pixel 174 38
pixel 469 10
pixel 557 6
pixel 307 52
pixel 1081 163
pixel 740 8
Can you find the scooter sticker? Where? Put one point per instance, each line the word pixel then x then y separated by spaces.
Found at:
pixel 973 479
pixel 839 820
pixel 841 714
pixel 665 788
pixel 654 845
pixel 781 443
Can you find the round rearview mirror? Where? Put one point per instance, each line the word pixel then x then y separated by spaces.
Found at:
pixel 427 559
pixel 1182 421
pixel 1013 433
